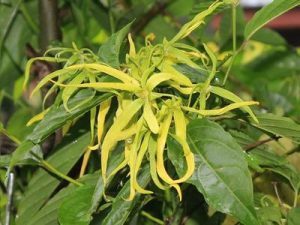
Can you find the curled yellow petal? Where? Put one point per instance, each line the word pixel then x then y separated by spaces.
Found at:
pixel 150 117
pixel 161 142
pixel 177 188
pixel 37 117
pixel 103 85
pixel 218 112
pixel 232 97
pixel 105 69
pixel 152 158
pixel 138 162
pixel 110 139
pixel 132 51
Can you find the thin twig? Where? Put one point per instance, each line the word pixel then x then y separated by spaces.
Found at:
pixel 294 150
pixel 155 10
pixel 259 143
pixel 152 218
pixel 277 194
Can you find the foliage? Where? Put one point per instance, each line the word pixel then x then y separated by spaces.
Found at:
pixel 142 122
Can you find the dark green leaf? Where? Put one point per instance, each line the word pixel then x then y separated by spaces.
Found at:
pixel 58 116
pixel 195 75
pixel 75 209
pixel 277 164
pixel 48 214
pixel 16 125
pixel 109 52
pixel 221 174
pixel 281 126
pixel 43 184
pixel 267 13
pixel 23 153
pixel 293 217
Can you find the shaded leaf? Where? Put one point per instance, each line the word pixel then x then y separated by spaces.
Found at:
pixel 218 159
pixel 42 184
pixel 281 126
pixel 293 217
pixel 121 208
pixel 23 153
pixel 109 52
pixel 277 164
pixel 48 214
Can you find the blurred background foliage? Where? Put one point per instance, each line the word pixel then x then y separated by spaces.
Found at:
pixel 267 68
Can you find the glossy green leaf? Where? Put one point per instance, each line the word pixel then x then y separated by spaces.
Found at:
pixel 293 216
pixel 268 13
pixel 121 208
pixel 277 125
pixel 58 116
pixel 219 159
pixel 42 184
pixel 109 52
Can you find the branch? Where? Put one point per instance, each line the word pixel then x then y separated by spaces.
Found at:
pixel 259 143
pixel 49 26
pixel 158 8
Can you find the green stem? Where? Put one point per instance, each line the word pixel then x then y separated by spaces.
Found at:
pixel 152 218
pixel 234 51
pixel 295 199
pixel 111 18
pixel 11 137
pixel 234 28
pixel 50 168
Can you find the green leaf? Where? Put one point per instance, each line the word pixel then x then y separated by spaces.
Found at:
pixel 195 75
pixel 268 13
pixel 4 160
pixel 23 153
pixel 269 214
pixel 293 216
pixel 48 214
pixel 42 184
pixel 16 125
pixel 264 35
pixel 109 52
pixel 277 125
pixel 277 164
pixel 75 209
pixel 121 208
pixel 221 174
pixel 58 116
